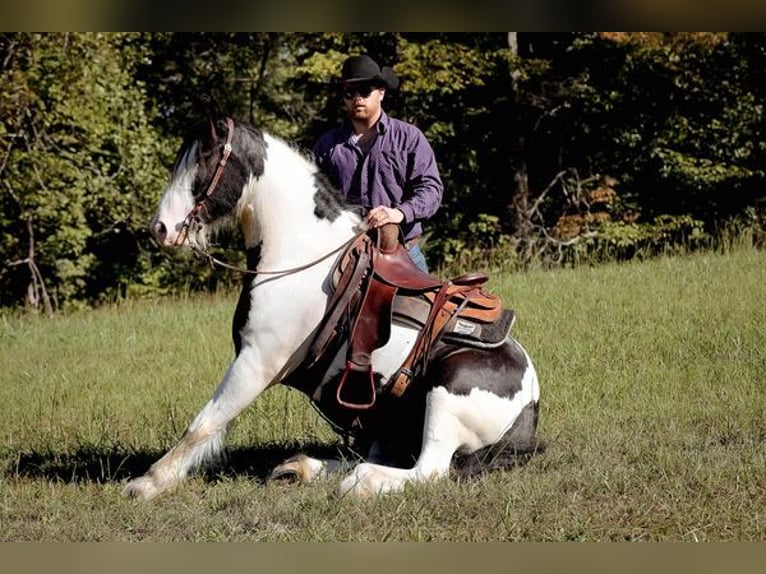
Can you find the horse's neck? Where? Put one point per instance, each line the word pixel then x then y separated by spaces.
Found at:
pixel 279 213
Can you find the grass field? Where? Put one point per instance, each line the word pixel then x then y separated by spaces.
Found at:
pixel 653 407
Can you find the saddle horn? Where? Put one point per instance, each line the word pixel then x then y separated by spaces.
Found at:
pixel 389 237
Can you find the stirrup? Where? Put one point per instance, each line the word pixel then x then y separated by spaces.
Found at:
pixel 356 406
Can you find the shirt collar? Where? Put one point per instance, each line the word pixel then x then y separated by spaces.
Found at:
pixel 381 126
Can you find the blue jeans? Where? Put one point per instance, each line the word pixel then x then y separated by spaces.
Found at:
pixel 418 258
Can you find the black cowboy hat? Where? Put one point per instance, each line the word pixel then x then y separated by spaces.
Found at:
pixel 365 69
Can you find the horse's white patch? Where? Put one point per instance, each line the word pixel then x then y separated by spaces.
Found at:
pixel 390 357
pixel 177 201
pixel 283 199
pixel 385 361
pixel 529 380
pixel 475 420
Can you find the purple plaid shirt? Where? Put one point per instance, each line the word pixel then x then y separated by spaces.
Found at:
pixel 399 170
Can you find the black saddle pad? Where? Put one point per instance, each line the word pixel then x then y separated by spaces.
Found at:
pixel 462 331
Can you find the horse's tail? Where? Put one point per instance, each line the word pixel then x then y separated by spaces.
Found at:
pixel 516 447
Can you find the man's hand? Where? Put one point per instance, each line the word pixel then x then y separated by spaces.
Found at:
pixel 381 215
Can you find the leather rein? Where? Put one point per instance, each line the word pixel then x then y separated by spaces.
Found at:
pixel 215 261
pixel 193 217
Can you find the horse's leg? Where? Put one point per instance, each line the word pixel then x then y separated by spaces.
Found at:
pixel 467 421
pixel 442 436
pixel 203 439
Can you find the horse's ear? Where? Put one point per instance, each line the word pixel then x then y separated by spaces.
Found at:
pixel 216 118
pixel 211 122
pixel 209 104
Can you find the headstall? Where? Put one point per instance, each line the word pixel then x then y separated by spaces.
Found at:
pixel 194 213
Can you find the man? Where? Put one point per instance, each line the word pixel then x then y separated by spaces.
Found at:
pixel 383 164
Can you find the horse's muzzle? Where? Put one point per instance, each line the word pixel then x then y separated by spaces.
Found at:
pixel 165 235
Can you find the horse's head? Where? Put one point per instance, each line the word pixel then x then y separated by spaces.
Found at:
pixel 211 169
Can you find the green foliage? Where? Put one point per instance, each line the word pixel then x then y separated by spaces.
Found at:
pixel 81 164
pixel 89 124
pixel 623 240
pixel 486 235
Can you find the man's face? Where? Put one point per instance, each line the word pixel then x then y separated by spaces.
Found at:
pixel 362 100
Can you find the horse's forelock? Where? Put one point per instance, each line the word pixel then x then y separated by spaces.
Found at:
pixel 188 148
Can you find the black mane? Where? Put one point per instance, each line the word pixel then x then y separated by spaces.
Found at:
pixel 328 203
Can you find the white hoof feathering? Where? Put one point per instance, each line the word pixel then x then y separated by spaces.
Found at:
pixel 142 488
pixel 300 467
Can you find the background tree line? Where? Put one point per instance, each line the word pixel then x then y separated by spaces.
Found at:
pixel 552 147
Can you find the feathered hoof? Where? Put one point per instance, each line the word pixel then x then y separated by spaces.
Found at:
pixel 143 488
pixel 300 467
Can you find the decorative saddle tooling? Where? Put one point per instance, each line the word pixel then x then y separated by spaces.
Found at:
pixel 374 283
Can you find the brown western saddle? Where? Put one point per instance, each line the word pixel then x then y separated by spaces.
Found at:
pixel 375 282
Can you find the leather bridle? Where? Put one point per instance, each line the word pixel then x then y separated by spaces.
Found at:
pixel 201 204
pixel 193 216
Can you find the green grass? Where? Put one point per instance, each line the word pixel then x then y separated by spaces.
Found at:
pixel 653 406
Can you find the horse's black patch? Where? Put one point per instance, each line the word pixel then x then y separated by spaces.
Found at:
pixel 242 312
pixel 248 156
pixel 327 202
pixel 499 370
pixel 253 257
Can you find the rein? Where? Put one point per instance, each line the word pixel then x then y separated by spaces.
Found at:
pixel 215 261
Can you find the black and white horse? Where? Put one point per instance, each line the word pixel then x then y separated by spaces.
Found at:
pixel 482 401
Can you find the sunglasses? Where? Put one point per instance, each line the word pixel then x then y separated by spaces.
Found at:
pixel 364 91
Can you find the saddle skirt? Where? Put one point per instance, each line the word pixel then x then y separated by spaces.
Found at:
pixel 376 283
pixel 470 327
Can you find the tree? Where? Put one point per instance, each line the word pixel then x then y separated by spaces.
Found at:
pixel 550 145
pixel 673 121
pixel 79 162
